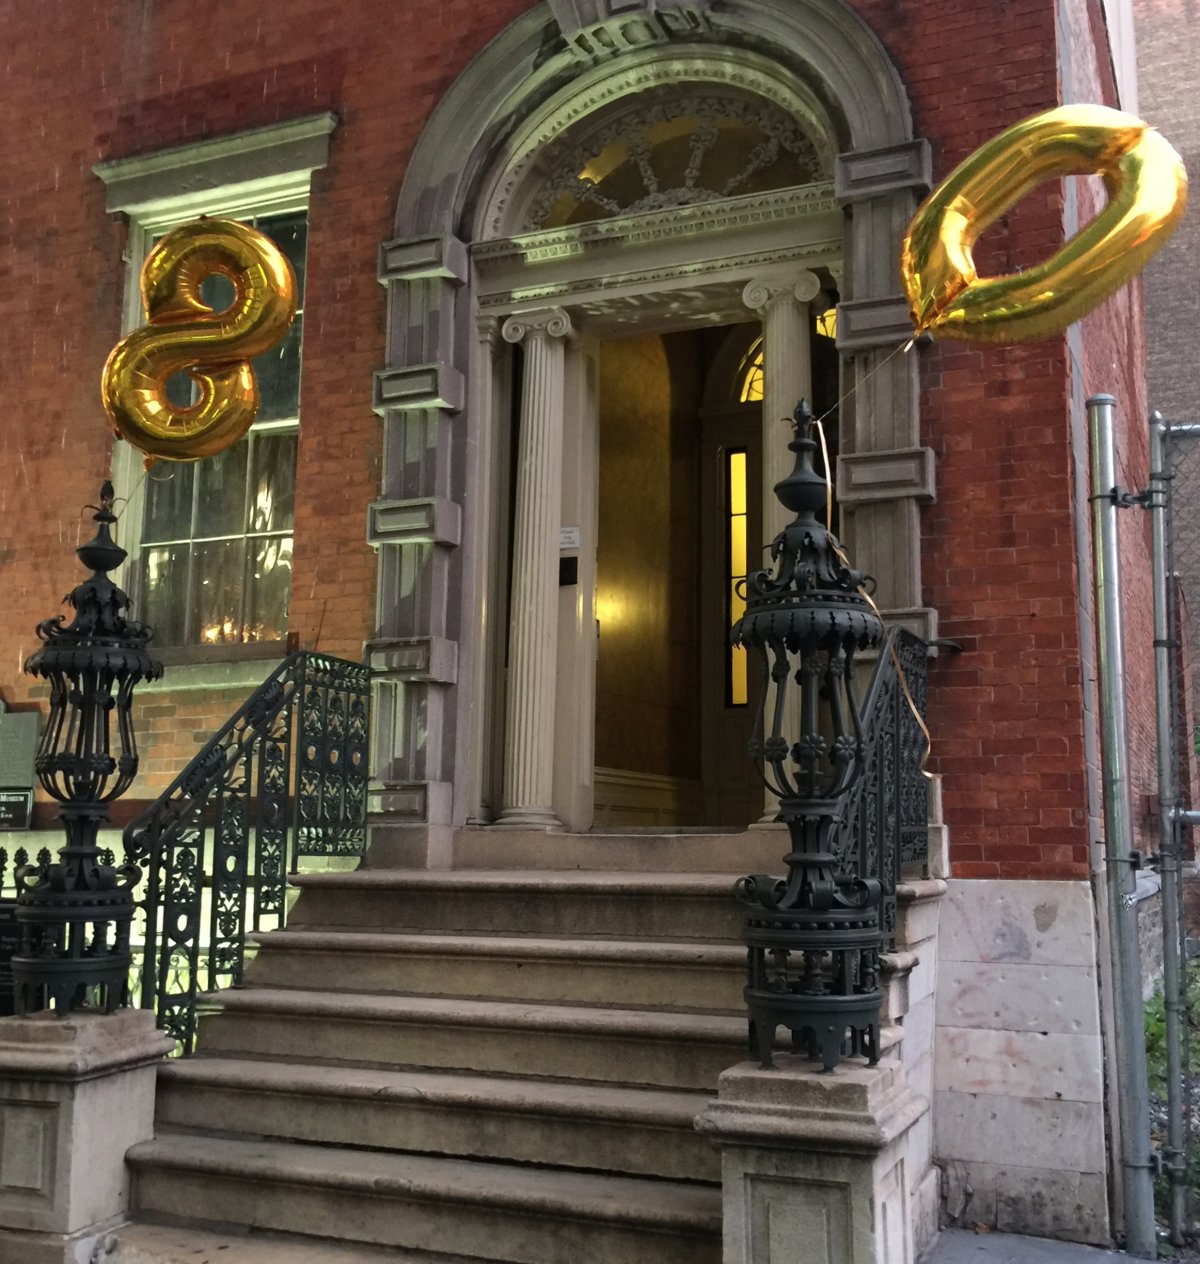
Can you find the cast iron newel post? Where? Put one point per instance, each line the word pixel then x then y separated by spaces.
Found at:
pixel 74 914
pixel 814 936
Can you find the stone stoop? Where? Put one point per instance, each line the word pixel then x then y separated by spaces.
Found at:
pixel 486 1064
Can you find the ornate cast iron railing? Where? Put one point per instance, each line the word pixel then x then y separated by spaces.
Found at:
pixel 285 779
pixel 888 818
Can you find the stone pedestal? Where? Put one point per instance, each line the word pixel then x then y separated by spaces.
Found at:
pixel 817 1167
pixel 75 1094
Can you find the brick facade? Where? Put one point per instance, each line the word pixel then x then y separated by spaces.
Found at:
pixel 999 546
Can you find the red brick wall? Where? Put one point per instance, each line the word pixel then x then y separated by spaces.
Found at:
pixel 87 82
pixel 998 546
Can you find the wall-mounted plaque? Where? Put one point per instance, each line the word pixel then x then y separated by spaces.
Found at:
pixel 18 745
pixel 16 807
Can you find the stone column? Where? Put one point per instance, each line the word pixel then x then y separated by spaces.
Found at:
pixel 533 622
pixel 782 300
pixel 75 1093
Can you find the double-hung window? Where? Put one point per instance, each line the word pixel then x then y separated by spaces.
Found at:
pixel 210 541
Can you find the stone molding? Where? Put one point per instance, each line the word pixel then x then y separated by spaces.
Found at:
pixel 418 386
pixel 428 520
pixel 264 155
pixel 873 322
pixel 411 658
pixel 546 322
pixel 552 128
pixel 801 286
pixel 869 173
pixel 423 259
pixel 871 476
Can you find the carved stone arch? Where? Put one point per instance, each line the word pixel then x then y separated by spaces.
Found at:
pixel 445 364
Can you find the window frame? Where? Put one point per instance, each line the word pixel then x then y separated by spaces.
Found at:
pixel 258 173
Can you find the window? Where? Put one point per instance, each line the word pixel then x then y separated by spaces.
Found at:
pixel 214 566
pixel 736 671
pixel 210 542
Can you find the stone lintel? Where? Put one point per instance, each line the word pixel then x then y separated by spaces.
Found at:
pixel 432 659
pixel 866 323
pixel 868 476
pixel 418 386
pixel 429 520
pixel 423 259
pixel 869 173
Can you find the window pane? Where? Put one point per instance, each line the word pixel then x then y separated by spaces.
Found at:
pixel 217 291
pixel 221 494
pixel 217 576
pixel 268 585
pixel 272 482
pixel 290 234
pixel 169 501
pixel 278 374
pixel 164 593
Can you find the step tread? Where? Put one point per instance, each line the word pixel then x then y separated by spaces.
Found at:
pixel 525 1096
pixel 146 1243
pixel 459 1011
pixel 658 1204
pixel 544 881
pixel 473 944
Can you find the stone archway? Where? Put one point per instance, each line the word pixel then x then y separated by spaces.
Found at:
pixel 439 392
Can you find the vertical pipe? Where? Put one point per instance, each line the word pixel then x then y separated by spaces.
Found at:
pixel 1131 1089
pixel 1168 825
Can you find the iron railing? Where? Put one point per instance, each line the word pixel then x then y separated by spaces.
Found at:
pixel 888 811
pixel 283 780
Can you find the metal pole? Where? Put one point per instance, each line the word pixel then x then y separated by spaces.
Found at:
pixel 1132 1090
pixel 1168 827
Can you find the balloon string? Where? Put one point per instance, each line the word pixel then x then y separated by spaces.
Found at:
pixel 837 548
pixel 817 421
pixel 900 676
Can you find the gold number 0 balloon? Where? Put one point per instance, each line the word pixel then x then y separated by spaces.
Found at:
pixel 1147 192
pixel 184 334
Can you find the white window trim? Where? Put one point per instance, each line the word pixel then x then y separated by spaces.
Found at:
pixel 266 171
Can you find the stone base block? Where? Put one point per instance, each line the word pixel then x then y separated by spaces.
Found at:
pixel 75 1093
pixel 819 1167
pixel 18 1247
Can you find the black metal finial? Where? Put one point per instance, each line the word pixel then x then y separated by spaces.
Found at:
pixel 75 913
pixel 814 935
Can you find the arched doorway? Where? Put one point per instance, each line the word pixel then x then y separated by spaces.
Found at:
pixel 646 181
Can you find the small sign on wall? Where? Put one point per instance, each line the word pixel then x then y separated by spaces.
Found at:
pixel 569 537
pixel 16 808
pixel 18 745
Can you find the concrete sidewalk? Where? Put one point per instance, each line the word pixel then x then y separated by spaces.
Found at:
pixel 960 1246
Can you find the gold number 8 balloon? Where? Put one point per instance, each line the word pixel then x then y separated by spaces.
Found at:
pixel 183 334
pixel 1147 192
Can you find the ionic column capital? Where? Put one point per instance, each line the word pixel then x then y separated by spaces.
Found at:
pixel 795 285
pixel 546 322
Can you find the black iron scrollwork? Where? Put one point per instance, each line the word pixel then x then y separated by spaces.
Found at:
pixel 285 778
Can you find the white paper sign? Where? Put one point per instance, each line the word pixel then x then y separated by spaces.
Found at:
pixel 569 538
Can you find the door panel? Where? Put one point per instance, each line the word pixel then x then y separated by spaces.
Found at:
pixel 731 545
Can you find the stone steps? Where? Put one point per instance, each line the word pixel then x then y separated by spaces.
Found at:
pixel 566 904
pixel 486 1211
pixel 497 1066
pixel 701 976
pixel 623 1046
pixel 628 1130
pixel 142 1243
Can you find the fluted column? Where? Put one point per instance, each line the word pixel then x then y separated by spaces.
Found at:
pixel 533 623
pixel 782 301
